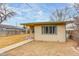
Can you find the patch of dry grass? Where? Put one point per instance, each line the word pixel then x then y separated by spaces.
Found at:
pixel 40 48
pixel 5 41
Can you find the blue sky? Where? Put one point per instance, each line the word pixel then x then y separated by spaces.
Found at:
pixel 32 12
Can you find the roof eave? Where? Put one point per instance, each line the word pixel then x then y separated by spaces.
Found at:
pixel 45 23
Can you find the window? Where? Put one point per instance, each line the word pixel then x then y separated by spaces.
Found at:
pixel 49 29
pixel 46 28
pixel 54 29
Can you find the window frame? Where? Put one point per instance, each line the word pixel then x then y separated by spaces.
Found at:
pixel 51 29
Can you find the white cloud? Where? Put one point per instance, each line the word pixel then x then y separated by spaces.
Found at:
pixel 17 10
pixel 20 10
pixel 39 14
pixel 30 14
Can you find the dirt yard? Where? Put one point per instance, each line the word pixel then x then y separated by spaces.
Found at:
pixel 5 41
pixel 39 48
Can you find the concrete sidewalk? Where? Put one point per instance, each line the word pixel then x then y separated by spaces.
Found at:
pixel 2 50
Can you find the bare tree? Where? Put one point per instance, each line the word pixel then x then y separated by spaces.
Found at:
pixel 76 22
pixel 76 6
pixel 5 12
pixel 62 14
pixel 75 33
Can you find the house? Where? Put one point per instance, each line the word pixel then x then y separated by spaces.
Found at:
pixel 6 30
pixel 47 31
pixel 70 29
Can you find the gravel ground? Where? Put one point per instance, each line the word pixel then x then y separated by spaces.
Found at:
pixel 40 48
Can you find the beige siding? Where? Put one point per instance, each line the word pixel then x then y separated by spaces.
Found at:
pixel 60 36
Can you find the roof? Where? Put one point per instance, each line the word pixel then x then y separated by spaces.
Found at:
pixel 70 26
pixel 44 23
pixel 10 27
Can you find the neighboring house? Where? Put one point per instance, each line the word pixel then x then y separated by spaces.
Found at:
pixel 47 31
pixel 6 30
pixel 70 29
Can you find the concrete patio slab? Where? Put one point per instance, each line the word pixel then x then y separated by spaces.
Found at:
pixel 40 48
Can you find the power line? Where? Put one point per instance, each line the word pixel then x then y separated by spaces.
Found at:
pixel 29 5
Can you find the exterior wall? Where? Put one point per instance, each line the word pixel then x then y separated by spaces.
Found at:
pixel 60 36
